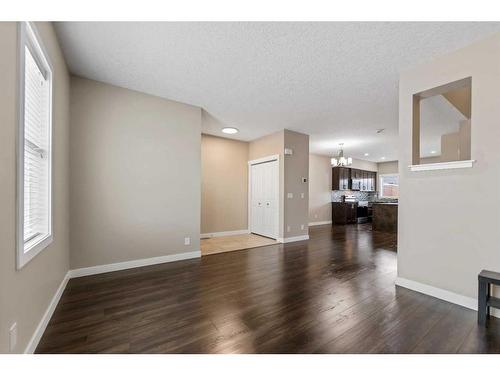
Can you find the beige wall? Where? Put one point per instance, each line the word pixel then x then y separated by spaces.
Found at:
pixel 224 184
pixel 135 175
pixel 272 144
pixel 448 219
pixel 26 294
pixel 450 144
pixel 320 188
pixel 364 165
pixel 430 160
pixel 460 99
pixel 389 167
pixel 296 167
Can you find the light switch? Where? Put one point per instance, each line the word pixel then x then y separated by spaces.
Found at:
pixel 187 241
pixel 289 195
pixel 302 195
pixel 302 227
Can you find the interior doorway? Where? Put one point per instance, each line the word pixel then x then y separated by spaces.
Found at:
pixel 263 196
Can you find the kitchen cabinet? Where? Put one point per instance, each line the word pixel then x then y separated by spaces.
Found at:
pixel 385 217
pixel 371 181
pixel 356 179
pixel 344 178
pixel 341 178
pixel 364 186
pixel 344 213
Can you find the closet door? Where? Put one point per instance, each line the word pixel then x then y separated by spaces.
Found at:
pixel 264 199
pixel 270 183
pixel 257 199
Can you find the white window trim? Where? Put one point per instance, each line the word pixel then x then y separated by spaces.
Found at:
pixel 380 178
pixel 27 34
pixel 443 165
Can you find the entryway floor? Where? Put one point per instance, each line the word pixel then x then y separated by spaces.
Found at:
pixel 217 245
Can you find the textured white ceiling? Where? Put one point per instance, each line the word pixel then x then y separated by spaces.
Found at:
pixel 337 82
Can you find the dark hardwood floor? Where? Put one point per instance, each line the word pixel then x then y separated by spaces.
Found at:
pixel 332 294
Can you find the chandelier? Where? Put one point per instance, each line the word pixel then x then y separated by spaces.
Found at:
pixel 340 160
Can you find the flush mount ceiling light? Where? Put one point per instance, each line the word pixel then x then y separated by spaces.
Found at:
pixel 433 152
pixel 340 160
pixel 367 154
pixel 230 130
pixel 383 158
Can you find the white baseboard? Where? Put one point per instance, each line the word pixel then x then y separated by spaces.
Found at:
pixel 79 272
pixel 293 239
pixel 40 329
pixel 446 295
pixel 223 234
pixel 314 223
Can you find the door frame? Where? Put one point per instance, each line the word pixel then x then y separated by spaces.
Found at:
pixel 265 159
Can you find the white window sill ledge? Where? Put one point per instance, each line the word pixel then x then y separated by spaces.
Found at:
pixel 445 165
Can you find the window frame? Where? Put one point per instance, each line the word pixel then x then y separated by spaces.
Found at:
pixel 381 184
pixel 29 37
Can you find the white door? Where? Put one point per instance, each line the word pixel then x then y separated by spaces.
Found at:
pixel 257 199
pixel 264 199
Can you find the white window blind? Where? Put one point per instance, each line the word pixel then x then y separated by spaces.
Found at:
pixel 36 142
pixel 35 224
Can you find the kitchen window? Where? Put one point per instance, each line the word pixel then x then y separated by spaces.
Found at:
pixel 389 186
pixel 34 164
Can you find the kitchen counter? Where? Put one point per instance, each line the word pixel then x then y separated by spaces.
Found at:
pixel 385 217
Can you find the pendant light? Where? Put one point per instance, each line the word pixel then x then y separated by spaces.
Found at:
pixel 341 160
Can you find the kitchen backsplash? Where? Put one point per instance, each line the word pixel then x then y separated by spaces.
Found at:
pixel 360 195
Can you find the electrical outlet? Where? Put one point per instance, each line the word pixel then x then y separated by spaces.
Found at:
pixel 302 227
pixel 13 337
pixel 288 228
pixel 187 241
pixel 302 195
pixel 289 195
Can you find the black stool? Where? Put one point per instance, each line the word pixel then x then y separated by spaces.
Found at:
pixel 484 298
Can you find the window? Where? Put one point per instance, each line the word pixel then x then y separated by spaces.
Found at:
pixel 34 177
pixel 389 186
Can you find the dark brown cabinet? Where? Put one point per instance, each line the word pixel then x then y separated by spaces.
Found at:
pixel 344 213
pixel 356 179
pixel 341 178
pixel 353 179
pixel 385 217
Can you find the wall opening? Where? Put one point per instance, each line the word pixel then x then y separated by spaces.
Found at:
pixel 442 124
